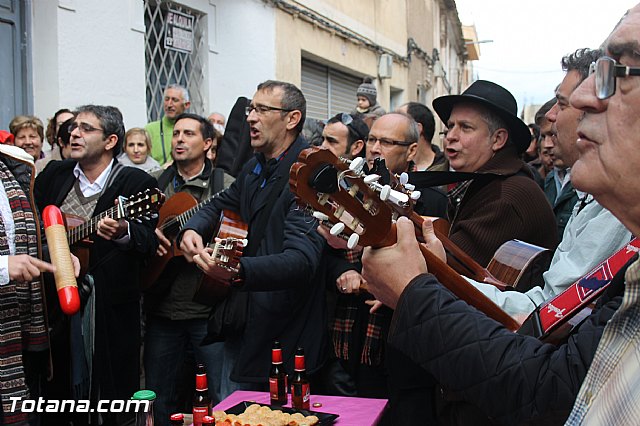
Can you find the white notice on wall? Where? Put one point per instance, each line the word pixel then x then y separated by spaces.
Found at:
pixel 178 33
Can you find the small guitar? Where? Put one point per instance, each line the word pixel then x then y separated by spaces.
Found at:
pixel 322 182
pixel 229 242
pixel 141 206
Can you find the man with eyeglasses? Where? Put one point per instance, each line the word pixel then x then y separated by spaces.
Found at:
pixel 502 202
pixel 175 102
pixel 277 282
pixel 428 155
pixel 515 378
pixel 87 184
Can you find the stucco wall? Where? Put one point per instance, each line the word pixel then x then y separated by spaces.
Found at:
pixel 384 24
pixel 98 56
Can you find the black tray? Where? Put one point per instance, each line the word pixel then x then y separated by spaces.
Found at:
pixel 324 418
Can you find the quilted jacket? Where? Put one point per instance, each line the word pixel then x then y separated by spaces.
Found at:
pixel 511 378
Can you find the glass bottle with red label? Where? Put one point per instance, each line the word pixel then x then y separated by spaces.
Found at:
pixel 201 400
pixel 277 377
pixel 300 391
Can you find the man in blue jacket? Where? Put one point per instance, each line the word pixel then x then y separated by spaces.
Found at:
pixel 284 299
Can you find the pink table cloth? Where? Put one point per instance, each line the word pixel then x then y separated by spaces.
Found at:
pixel 352 411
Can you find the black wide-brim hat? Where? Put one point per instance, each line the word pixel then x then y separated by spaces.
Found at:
pixel 497 99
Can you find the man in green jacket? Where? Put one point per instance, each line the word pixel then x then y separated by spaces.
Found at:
pixel 176 101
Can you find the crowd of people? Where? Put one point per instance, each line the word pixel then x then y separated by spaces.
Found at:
pixel 373 322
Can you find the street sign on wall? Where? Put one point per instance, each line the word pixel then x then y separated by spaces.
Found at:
pixel 178 34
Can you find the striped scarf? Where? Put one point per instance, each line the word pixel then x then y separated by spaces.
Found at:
pixel 22 325
pixel 352 323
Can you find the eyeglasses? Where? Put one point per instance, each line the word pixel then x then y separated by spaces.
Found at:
pixel 386 143
pixel 263 109
pixel 84 128
pixel 346 119
pixel 607 70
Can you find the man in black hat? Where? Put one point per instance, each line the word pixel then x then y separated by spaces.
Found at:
pixel 486 137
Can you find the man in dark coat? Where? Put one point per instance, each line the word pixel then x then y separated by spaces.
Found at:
pixel 515 378
pixel 486 137
pixel 88 184
pixel 277 270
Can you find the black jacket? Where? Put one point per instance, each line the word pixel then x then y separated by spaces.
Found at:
pixel 286 299
pixel 116 271
pixel 513 379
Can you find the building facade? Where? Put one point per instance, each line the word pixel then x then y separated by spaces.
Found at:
pixel 65 53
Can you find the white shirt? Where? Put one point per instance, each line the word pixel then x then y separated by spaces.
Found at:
pixel 86 187
pixel 589 238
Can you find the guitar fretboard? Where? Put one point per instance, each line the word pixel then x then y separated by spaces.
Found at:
pixel 180 220
pixel 83 231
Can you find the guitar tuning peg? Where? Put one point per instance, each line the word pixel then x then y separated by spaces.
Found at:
pixel 337 229
pixel 393 196
pixel 320 216
pixel 385 192
pixel 409 187
pixel 404 178
pixel 357 164
pixel 415 195
pixel 353 240
pixel 244 242
pixel 154 216
pixel 368 179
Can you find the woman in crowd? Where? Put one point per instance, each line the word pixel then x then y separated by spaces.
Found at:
pixel 137 146
pixel 28 133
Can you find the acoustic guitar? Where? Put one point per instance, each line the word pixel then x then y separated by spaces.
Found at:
pixel 227 246
pixel 141 206
pixel 229 240
pixel 324 183
pixel 175 212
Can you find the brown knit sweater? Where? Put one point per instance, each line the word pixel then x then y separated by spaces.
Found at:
pixel 505 208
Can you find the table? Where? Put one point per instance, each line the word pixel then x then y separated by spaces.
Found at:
pixel 352 411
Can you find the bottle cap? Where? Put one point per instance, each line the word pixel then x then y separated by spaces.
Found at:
pixel 144 395
pixel 208 420
pixel 177 417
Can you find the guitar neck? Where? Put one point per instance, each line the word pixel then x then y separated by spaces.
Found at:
pixel 457 284
pixel 184 217
pixel 86 229
pixel 460 261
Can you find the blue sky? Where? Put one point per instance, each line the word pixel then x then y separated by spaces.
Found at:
pixel 530 38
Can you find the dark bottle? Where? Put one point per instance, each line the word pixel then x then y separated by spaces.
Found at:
pixel 277 377
pixel 300 392
pixel 201 400
pixel 176 419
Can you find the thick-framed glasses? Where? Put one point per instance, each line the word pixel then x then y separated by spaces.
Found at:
pixel 386 143
pixel 607 70
pixel 84 128
pixel 263 109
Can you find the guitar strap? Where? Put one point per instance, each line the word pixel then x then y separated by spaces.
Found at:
pixel 564 306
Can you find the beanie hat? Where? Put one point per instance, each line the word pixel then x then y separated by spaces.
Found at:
pixel 368 90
